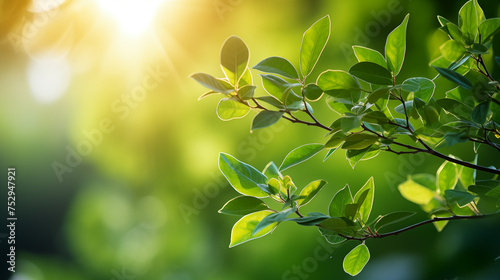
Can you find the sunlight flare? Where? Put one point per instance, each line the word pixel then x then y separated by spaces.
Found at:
pixel 133 17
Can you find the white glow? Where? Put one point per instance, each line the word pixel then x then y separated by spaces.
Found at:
pixel 40 6
pixel 49 80
pixel 132 16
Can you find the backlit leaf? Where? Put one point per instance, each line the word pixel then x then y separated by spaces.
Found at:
pixel 308 193
pixel 313 43
pixel 415 193
pixel 395 47
pixel 244 178
pixel 243 205
pixel 300 154
pixel 356 259
pixel 234 58
pixel 231 108
pixel 243 229
pixel 278 65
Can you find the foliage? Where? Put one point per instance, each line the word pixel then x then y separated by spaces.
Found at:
pixel 377 112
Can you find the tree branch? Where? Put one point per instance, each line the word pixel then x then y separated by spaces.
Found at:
pixel 436 219
pixel 292 118
pixel 431 151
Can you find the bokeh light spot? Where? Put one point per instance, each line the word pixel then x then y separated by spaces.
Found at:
pixel 49 79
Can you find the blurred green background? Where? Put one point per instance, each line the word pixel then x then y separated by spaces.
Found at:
pixel 116 161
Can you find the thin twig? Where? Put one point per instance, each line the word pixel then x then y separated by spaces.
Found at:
pixel 436 219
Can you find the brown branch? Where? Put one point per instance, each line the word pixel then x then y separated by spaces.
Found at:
pixel 429 150
pixel 396 232
pixel 292 118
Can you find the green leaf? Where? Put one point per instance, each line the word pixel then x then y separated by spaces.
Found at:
pixel 441 224
pixel 272 219
pixel 338 83
pixel 375 117
pixel 480 112
pixel 468 21
pixel 371 73
pixel 308 193
pixel 401 109
pixel 461 67
pixel 459 197
pixel 356 260
pixel 478 49
pixel 377 94
pixel 454 77
pixel 442 20
pixel 488 29
pixel 311 220
pixel 288 185
pixel 415 192
pixel 339 225
pixel 339 201
pixel 313 43
pixel 355 156
pixel 424 179
pixel 454 107
pixel 392 218
pixel 331 237
pixel 495 192
pixel 335 140
pixel 455 33
pixel 431 116
pixel 395 47
pixel 243 229
pixel 246 92
pixel 468 175
pixel 351 211
pixel 265 119
pixel 208 93
pixel 243 205
pixel 312 92
pixel 244 178
pixel 272 171
pixel 367 54
pixel 271 100
pixel 359 141
pixel 278 65
pixel 275 85
pixel 212 83
pixel 365 206
pixel 452 50
pixel 246 78
pixel 447 176
pixel 329 153
pixel 300 154
pixel 274 186
pixel 453 138
pixel 231 108
pixel 350 122
pixel 462 95
pixel 234 58
pixel 293 101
